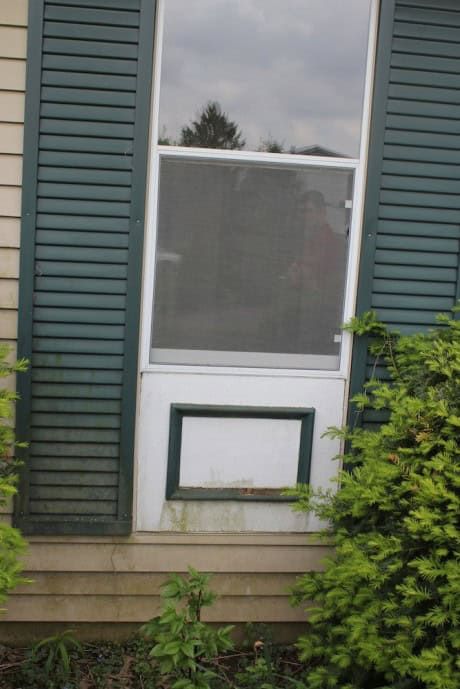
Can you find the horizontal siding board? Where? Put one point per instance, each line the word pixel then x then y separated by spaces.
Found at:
pixel 90 15
pixel 83 192
pixel 90 32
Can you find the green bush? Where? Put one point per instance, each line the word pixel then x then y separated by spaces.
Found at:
pixel 183 645
pixel 386 610
pixel 11 541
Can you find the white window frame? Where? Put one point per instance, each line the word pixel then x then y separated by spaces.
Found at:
pixel 358 165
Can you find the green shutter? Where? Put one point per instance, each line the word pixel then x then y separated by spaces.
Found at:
pixel 85 161
pixel 411 238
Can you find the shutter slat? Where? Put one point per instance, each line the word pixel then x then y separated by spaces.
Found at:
pixel 73 269
pixel 90 255
pixel 92 16
pixel 83 192
pixel 70 507
pixel 73 315
pixel 412 287
pixel 90 113
pixel 80 301
pixel 54 94
pixel 87 175
pixel 89 48
pixel 74 435
pixel 87 222
pixel 80 285
pixel 90 32
pixel 77 346
pixel 87 331
pixel 73 406
pixel 69 238
pixel 77 420
pixel 90 64
pixel 78 361
pixel 110 130
pixel 424 184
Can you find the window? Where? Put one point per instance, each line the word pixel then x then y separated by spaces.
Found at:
pixel 256 152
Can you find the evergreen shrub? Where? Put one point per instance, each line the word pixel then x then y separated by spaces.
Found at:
pixel 11 542
pixel 385 611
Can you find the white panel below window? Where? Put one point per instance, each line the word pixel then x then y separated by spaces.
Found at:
pixel 239 452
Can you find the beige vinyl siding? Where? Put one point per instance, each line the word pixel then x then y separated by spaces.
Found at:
pixel 81 581
pixel 13 39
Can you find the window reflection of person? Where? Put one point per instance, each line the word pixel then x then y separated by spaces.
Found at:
pixel 318 277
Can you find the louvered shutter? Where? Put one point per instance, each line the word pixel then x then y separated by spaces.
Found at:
pixel 85 159
pixel 411 238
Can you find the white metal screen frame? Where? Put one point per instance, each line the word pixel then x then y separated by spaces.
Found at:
pixel 358 165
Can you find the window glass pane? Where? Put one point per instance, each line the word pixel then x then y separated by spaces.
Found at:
pixel 288 75
pixel 250 263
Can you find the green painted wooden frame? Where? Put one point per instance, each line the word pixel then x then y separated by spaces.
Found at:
pixel 92 525
pixel 177 413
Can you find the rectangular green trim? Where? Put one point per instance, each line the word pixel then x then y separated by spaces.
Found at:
pixel 175 492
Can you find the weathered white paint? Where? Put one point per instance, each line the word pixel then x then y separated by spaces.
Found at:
pixel 239 452
pixel 158 391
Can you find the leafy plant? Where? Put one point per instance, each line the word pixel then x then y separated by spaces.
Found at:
pixel 53 655
pixel 385 612
pixel 11 541
pixel 184 646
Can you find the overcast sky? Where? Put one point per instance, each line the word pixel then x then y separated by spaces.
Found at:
pixel 290 70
